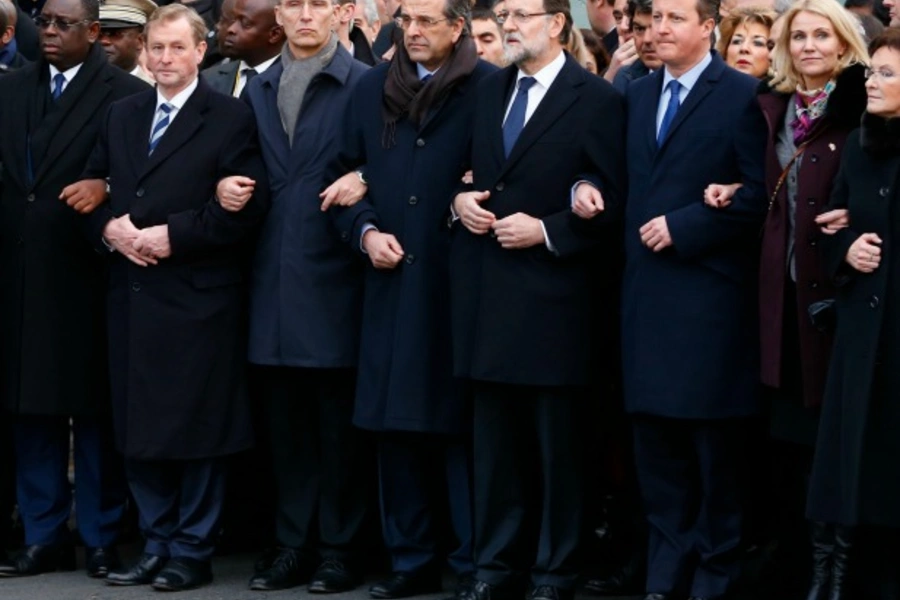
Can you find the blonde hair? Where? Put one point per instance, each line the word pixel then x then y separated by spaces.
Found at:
pixel 174 12
pixel 578 49
pixel 787 78
pixel 747 15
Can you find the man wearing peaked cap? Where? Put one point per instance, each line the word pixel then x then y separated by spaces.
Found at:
pixel 121 33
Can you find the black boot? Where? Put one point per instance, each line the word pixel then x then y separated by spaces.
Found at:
pixel 840 563
pixel 822 551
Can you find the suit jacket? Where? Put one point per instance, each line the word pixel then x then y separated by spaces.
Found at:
pixel 689 312
pixel 176 330
pixel 222 77
pixel 625 76
pixel 527 316
pixel 405 378
pixel 302 273
pixel 51 280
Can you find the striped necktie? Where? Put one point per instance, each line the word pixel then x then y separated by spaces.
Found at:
pixel 160 128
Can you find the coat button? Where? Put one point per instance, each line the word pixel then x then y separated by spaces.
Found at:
pixel 814 158
pixel 814 285
pixel 420 142
pixel 139 193
pixel 499 187
pixel 413 200
pixel 135 287
pixel 31 197
pixel 345 236
pixel 883 192
pixel 21 241
pixel 410 259
pixel 811 201
pixel 873 302
pixel 812 242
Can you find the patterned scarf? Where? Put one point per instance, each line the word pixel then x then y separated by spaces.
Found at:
pixel 811 106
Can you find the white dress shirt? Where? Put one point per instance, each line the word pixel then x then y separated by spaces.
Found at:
pixel 177 101
pixel 242 75
pixel 543 80
pixel 688 80
pixel 68 74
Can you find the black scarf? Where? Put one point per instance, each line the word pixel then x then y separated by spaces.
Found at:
pixel 878 136
pixel 406 95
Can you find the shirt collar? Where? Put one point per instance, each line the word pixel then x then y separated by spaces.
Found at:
pixel 261 67
pixel 180 98
pixel 422 71
pixel 689 79
pixel 69 74
pixel 548 73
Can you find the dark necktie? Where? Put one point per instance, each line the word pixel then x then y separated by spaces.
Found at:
pixel 249 73
pixel 427 78
pixel 161 125
pixel 671 110
pixel 515 120
pixel 58 81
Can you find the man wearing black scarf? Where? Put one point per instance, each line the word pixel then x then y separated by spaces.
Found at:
pixel 408 131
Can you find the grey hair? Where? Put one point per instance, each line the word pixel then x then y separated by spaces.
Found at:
pixel 369 11
pixel 459 9
pixel 782 6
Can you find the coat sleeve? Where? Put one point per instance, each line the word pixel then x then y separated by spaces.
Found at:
pixel 698 229
pixel 208 228
pixel 97 167
pixel 834 247
pixel 603 143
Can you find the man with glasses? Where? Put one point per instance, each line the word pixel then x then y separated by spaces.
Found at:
pixel 526 287
pixel 408 132
pixel 122 33
pixel 52 293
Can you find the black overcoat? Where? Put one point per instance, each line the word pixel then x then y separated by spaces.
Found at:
pixel 176 330
pixel 52 282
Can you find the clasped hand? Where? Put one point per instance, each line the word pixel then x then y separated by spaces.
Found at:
pixel 143 247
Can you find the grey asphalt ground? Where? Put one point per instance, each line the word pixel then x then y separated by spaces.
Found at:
pixel 231 574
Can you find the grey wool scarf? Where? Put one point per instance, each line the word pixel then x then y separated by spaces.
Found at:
pixel 295 79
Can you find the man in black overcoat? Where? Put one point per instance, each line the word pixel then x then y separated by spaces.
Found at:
pixel 53 359
pixel 175 297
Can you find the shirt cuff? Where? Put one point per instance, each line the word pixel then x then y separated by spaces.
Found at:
pixel 362 234
pixel 107 244
pixel 547 241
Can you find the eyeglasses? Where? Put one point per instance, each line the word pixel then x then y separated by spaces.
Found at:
pixel 423 23
pixel 882 74
pixel 518 17
pixel 61 26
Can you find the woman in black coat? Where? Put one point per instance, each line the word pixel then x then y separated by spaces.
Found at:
pixel 856 473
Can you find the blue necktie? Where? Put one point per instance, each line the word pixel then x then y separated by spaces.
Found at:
pixel 671 110
pixel 58 81
pixel 160 128
pixel 426 78
pixel 515 120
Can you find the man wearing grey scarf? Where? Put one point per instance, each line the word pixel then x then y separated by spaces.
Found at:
pixel 302 275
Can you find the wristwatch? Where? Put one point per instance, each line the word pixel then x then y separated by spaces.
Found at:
pixel 362 178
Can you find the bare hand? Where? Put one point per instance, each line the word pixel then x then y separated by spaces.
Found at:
pixel 624 56
pixel 234 192
pixel 153 242
pixel 588 201
pixel 346 191
pixel 833 221
pixel 864 254
pixel 473 217
pixel 468 178
pixel 518 231
pixel 719 195
pixel 655 234
pixel 120 234
pixel 85 195
pixel 383 249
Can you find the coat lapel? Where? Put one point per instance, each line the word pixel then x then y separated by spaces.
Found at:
pixel 24 114
pixel 499 100
pixel 137 131
pixel 650 107
pixel 271 130
pixel 705 84
pixel 561 95
pixel 186 123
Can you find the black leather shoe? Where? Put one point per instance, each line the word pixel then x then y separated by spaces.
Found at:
pixel 332 577
pixel 289 569
pixel 100 562
pixel 265 561
pixel 406 584
pixel 549 592
pixel 143 572
pixel 37 559
pixel 464 585
pixel 183 573
pixel 479 590
pixel 626 581
pixel 659 597
pixel 6 565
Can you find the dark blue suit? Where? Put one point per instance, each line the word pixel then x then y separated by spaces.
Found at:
pixel 406 390
pixel 689 340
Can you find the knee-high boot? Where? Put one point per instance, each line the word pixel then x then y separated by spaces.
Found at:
pixel 822 535
pixel 840 563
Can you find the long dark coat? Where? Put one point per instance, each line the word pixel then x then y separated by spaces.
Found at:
pixel 688 312
pixel 867 185
pixel 52 283
pixel 817 169
pixel 306 285
pixel 176 330
pixel 405 370
pixel 528 317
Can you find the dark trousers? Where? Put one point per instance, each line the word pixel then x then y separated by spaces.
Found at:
pixel 7 480
pixel 42 479
pixel 319 459
pixel 528 483
pixel 179 504
pixel 413 469
pixel 690 479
